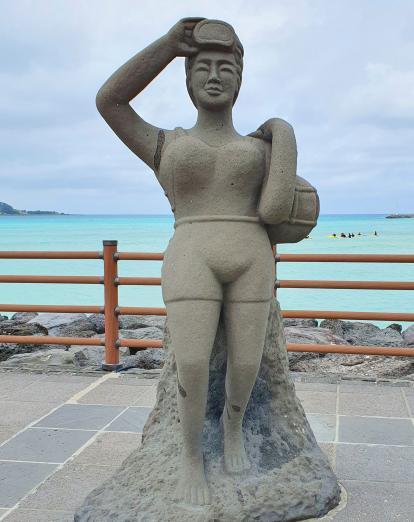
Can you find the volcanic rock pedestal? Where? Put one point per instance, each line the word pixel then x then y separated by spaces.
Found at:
pixel 290 478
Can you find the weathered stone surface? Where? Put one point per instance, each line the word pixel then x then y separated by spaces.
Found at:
pixel 290 478
pixel 408 336
pixel 141 333
pixel 78 328
pixel 395 326
pixel 312 335
pixel 150 359
pixel 98 320
pixel 365 334
pixel 59 357
pixel 302 323
pixel 12 328
pixel 133 322
pixel 53 320
pixel 23 317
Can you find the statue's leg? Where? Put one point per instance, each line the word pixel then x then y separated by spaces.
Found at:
pixel 245 333
pixel 192 325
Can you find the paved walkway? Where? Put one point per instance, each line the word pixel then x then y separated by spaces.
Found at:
pixel 62 435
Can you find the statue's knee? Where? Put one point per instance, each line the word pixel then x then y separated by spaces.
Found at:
pixel 192 366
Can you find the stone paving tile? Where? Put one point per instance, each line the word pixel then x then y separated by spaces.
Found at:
pixel 368 387
pixel 375 463
pixel 374 430
pixel 317 401
pixel 39 515
pixel 381 405
pixel 69 486
pixel 133 380
pixel 148 398
pixel 109 449
pixel 5 434
pixel 376 502
pixel 80 416
pixel 21 477
pixel 86 380
pixel 43 391
pixel 16 415
pixel 9 382
pixel 113 394
pixel 316 386
pixel 330 451
pixel 409 394
pixel 323 426
pixel 133 419
pixel 44 445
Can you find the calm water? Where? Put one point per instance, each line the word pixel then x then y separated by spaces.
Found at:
pixel 151 234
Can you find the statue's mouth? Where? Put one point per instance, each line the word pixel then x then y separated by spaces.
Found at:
pixel 215 91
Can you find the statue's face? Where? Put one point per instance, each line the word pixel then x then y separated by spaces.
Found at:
pixel 214 79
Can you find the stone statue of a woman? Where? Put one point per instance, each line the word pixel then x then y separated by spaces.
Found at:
pixel 230 194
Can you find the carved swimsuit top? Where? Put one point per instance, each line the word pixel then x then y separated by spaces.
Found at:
pixel 203 180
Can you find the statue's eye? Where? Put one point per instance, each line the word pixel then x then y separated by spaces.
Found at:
pixel 226 68
pixel 201 67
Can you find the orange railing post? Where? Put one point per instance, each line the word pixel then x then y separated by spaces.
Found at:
pixel 111 360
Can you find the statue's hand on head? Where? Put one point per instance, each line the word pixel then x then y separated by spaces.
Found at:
pixel 180 36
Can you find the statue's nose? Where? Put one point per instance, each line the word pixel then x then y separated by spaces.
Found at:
pixel 213 76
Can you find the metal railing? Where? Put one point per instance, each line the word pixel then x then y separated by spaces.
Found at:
pixel 112 310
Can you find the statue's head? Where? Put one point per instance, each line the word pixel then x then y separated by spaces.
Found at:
pixel 214 74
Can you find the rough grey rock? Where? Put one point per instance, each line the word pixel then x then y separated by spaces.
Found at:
pixel 98 320
pixel 133 322
pixel 23 317
pixel 150 359
pixel 141 333
pixel 395 326
pixel 77 328
pixel 301 335
pixel 408 336
pixel 55 357
pixel 290 478
pixel 364 334
pixel 53 320
pixel 302 323
pixel 11 328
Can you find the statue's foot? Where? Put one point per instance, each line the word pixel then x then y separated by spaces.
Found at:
pixel 235 456
pixel 192 488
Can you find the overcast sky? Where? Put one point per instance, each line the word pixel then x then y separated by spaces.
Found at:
pixel 340 71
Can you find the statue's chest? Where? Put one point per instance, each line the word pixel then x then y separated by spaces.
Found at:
pixel 195 165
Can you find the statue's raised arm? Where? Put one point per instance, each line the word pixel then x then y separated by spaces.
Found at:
pixel 114 97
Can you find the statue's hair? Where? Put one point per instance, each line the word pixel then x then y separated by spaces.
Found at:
pixel 237 51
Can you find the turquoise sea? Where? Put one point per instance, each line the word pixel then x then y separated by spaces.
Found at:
pixel 151 234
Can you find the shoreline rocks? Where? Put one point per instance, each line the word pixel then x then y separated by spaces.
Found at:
pixel 303 331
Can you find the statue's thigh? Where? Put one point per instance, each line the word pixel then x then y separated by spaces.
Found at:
pixel 193 325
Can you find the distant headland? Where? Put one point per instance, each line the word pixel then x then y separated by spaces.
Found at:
pixel 397 216
pixel 8 210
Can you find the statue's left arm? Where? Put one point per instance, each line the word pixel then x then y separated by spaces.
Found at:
pixel 278 188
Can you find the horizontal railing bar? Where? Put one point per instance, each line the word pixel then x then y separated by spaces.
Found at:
pixel 50 255
pixel 348 349
pixel 139 256
pixel 47 339
pixel 346 285
pixel 295 314
pixel 345 258
pixel 143 281
pixel 140 343
pixel 139 310
pixel 70 309
pixel 76 280
pixel 326 314
pixel 318 348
